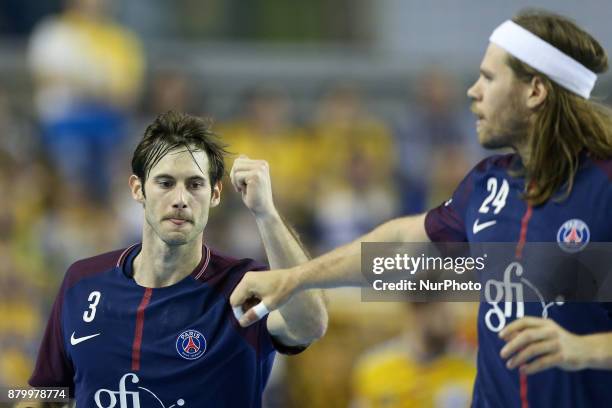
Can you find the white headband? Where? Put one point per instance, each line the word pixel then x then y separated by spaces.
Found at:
pixel 537 53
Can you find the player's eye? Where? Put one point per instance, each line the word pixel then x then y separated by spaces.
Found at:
pixel 196 184
pixel 164 183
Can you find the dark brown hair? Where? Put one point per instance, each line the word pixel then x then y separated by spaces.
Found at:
pixel 172 130
pixel 566 124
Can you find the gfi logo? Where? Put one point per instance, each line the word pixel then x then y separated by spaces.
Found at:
pixel 130 399
pixel 510 292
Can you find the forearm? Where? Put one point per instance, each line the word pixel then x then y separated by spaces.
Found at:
pixel 282 246
pixel 303 319
pixel 342 266
pixel 598 349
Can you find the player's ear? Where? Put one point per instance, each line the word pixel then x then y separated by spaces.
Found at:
pixel 137 189
pixel 537 92
pixel 215 198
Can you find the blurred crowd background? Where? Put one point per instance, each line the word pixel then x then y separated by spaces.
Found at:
pixel 358 105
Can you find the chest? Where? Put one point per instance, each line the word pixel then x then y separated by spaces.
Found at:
pixel 112 329
pixel 497 212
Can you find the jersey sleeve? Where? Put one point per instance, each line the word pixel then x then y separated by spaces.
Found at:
pixel 53 368
pixel 446 223
pixel 266 343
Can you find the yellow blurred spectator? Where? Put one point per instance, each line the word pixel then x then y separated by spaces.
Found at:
pixel 83 53
pixel 88 72
pixel 345 131
pixel 424 367
pixel 353 155
pixel 266 130
pixel 15 367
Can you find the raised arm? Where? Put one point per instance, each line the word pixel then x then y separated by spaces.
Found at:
pixel 340 267
pixel 303 319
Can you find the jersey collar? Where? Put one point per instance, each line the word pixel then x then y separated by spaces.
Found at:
pixel 126 260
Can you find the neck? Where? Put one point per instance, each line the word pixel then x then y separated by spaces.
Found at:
pixel 522 141
pixel 524 151
pixel 159 264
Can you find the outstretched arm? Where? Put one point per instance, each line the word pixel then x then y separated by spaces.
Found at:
pixel 304 318
pixel 340 267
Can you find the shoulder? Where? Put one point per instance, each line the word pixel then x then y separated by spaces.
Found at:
pixel 224 271
pixel 92 266
pixel 223 263
pixel 496 162
pixel 492 165
pixel 603 166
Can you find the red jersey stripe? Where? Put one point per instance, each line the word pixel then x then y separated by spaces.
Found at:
pixel 139 326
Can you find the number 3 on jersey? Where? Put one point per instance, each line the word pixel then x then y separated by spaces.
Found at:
pixel 496 198
pixel 94 299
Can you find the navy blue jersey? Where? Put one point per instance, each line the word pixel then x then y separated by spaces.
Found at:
pixel 118 344
pixel 487 207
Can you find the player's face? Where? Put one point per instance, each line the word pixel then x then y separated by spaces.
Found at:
pixel 179 196
pixel 496 101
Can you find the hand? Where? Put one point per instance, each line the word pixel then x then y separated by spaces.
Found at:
pixel 544 344
pixel 251 178
pixel 274 288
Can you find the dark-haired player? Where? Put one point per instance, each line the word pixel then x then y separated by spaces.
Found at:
pixel 151 325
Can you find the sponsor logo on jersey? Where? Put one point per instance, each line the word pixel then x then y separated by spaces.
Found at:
pixel 573 235
pixel 509 292
pixel 190 344
pixel 76 340
pixel 137 397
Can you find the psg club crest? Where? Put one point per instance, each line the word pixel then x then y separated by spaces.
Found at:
pixel 190 344
pixel 573 235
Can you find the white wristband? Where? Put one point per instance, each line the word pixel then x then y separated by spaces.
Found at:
pixel 238 313
pixel 260 310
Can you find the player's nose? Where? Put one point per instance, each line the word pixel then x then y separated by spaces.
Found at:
pixel 180 198
pixel 473 91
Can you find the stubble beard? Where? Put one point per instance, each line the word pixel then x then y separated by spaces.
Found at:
pixel 510 130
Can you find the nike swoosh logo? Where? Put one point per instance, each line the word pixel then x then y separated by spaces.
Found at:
pixel 76 340
pixel 479 227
